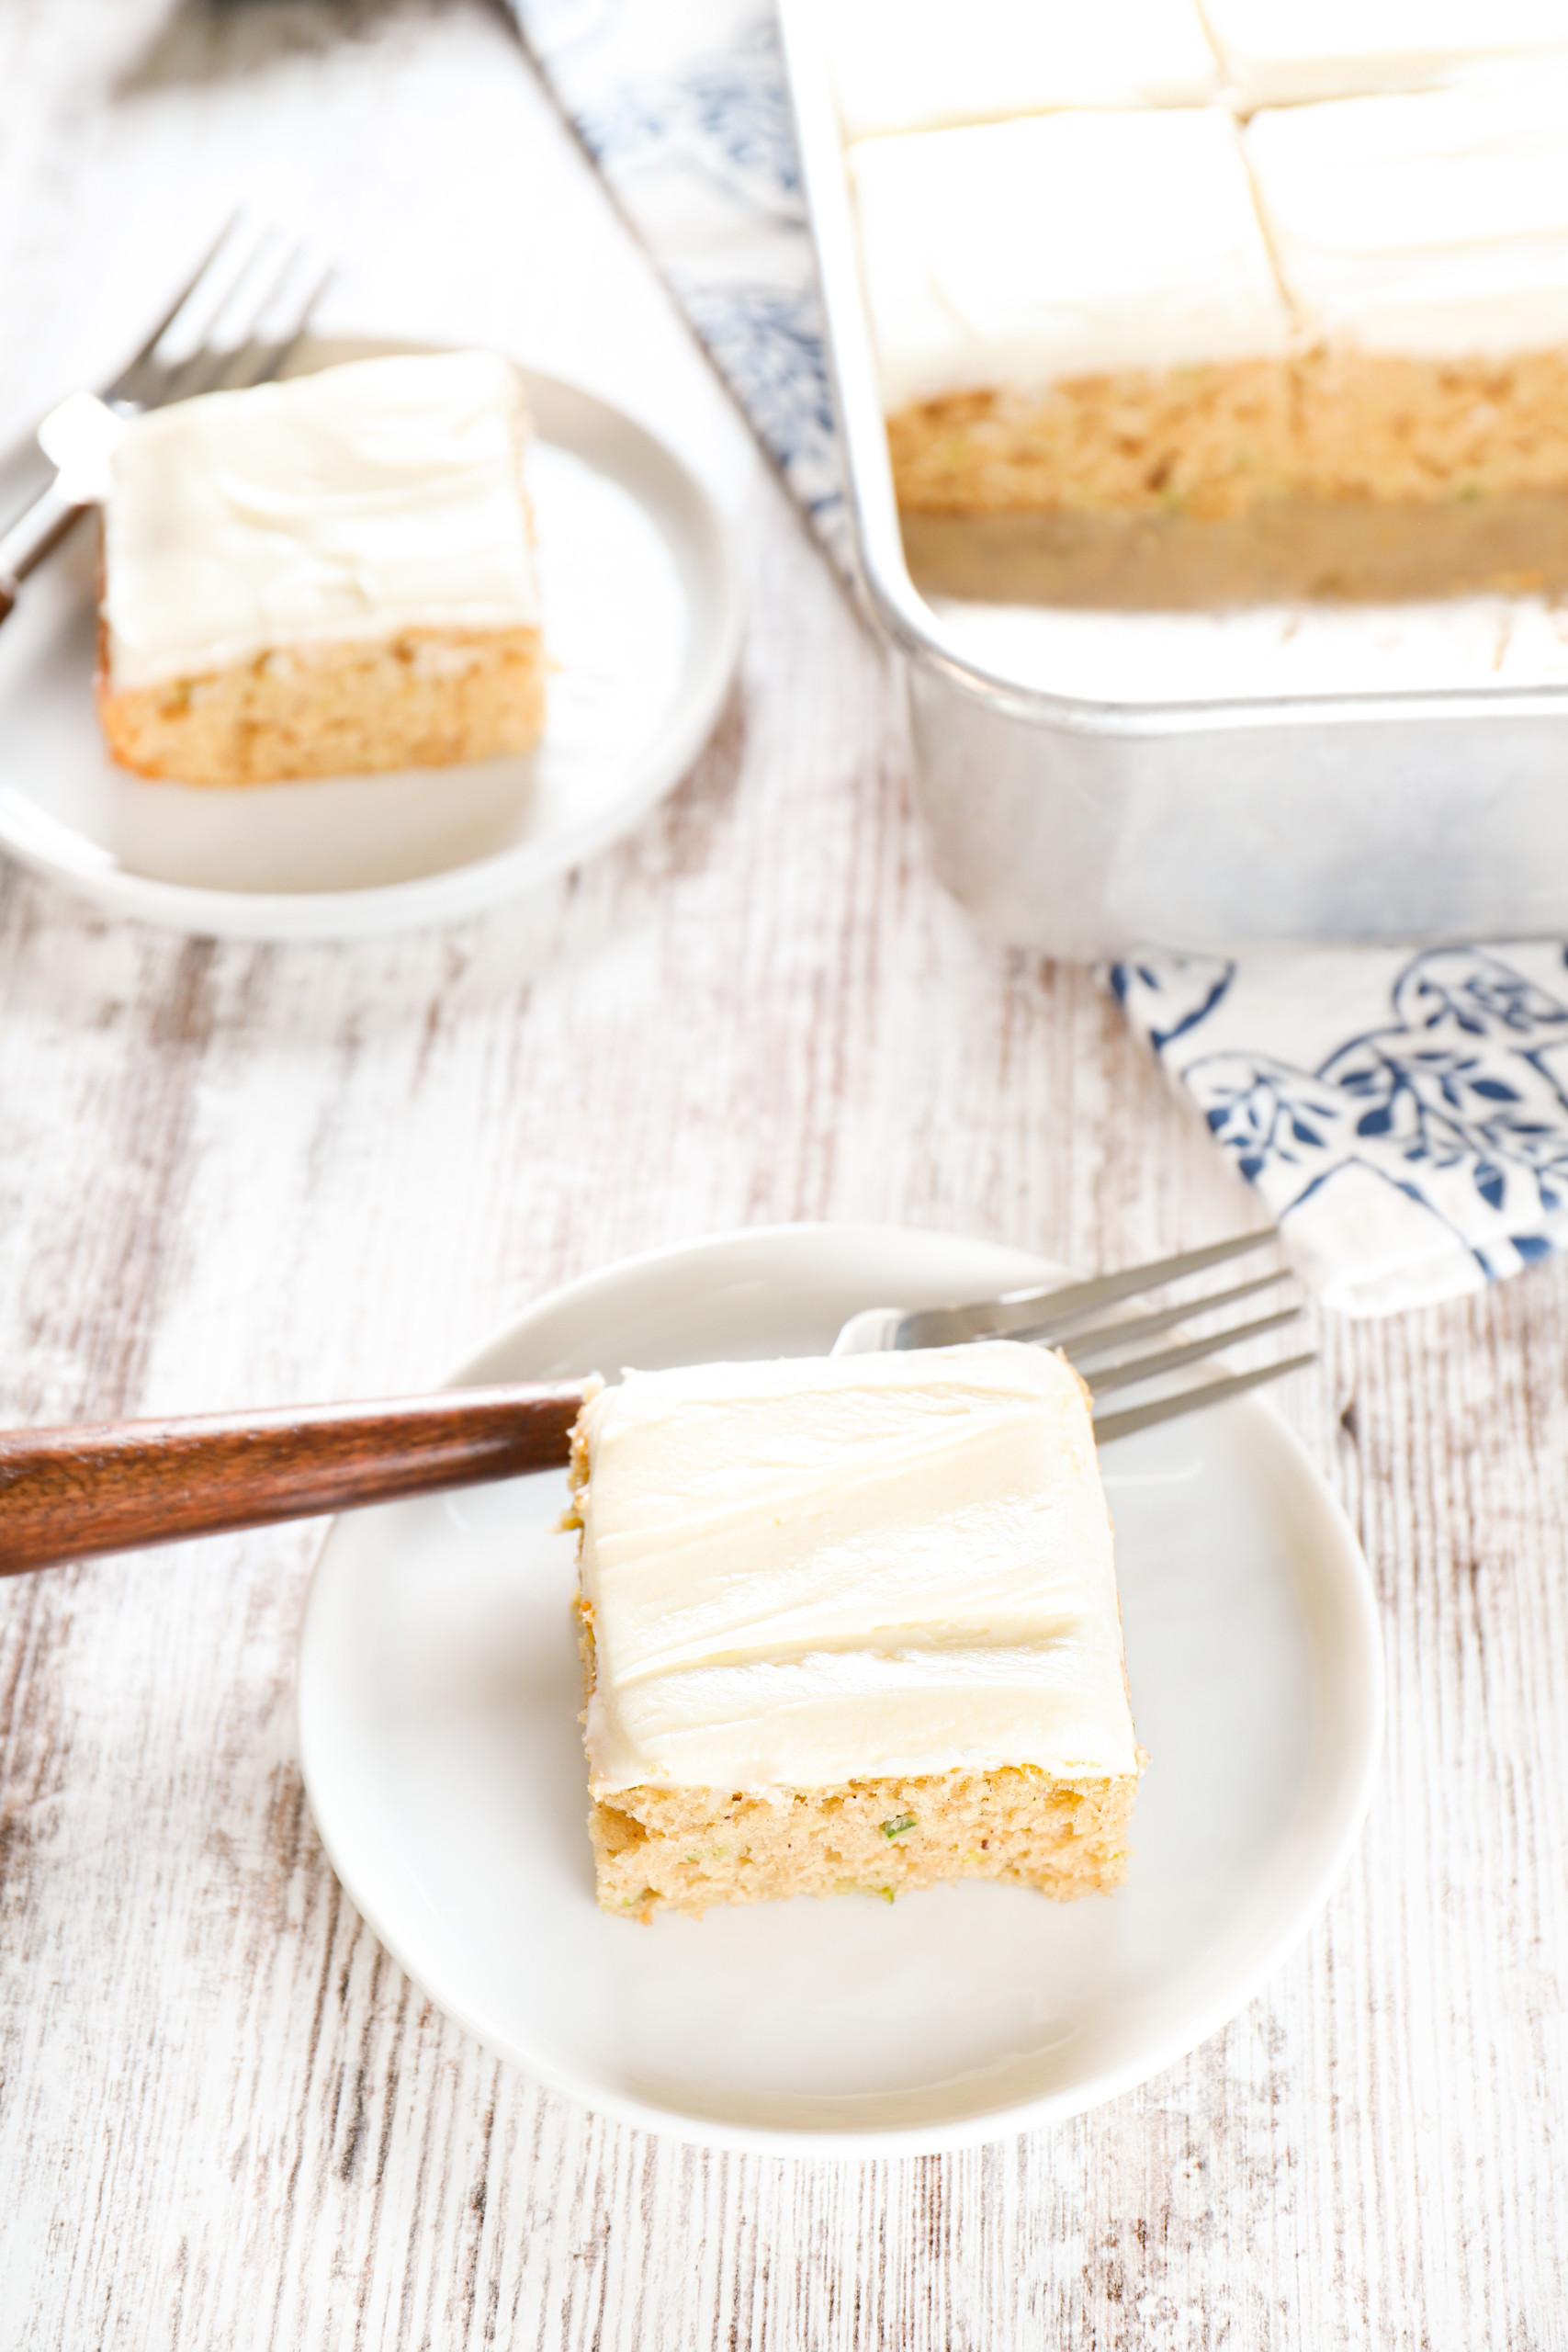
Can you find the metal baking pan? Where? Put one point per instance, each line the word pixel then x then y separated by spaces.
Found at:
pixel 1093 781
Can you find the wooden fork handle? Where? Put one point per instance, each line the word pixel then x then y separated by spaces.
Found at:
pixel 67 1493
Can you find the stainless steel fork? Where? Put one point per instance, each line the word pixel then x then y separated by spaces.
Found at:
pixel 232 326
pixel 66 1494
pixel 1106 1347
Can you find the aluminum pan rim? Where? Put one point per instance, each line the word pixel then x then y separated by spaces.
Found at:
pixel 888 592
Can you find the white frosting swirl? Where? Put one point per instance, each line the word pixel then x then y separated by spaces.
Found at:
pixel 925 64
pixel 1070 245
pixel 372 498
pixel 811 1571
pixel 1277 53
pixel 1435 225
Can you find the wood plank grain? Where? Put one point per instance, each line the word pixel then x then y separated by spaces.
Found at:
pixel 233 1174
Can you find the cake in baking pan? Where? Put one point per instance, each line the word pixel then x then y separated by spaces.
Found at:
pixel 1356 302
pixel 849 1625
pixel 927 64
pixel 323 577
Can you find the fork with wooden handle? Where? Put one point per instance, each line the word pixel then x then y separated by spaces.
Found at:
pixel 66 1494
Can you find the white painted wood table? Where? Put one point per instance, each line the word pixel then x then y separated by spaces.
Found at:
pixel 233 1174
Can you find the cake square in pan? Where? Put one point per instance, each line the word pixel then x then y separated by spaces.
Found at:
pixel 1076 311
pixel 1423 244
pixel 1282 52
pixel 922 65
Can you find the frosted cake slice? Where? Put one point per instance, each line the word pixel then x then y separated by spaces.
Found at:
pixel 322 577
pixel 926 65
pixel 1280 52
pixel 849 1623
pixel 1075 311
pixel 1423 242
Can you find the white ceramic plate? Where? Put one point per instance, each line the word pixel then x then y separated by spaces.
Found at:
pixel 641 615
pixel 438 1696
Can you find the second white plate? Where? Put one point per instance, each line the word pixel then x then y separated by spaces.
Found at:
pixel 438 1698
pixel 641 620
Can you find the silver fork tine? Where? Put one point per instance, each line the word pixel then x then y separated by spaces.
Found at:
pixel 258 363
pixel 118 390
pixel 1021 1315
pixel 244 331
pixel 209 363
pixel 1106 1338
pixel 1110 1426
pixel 1164 1360
pixel 1039 1313
pixel 233 323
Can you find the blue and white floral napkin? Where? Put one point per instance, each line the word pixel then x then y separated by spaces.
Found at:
pixel 1404 1115
pixel 682 106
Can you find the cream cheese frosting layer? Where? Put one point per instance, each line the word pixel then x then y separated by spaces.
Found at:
pixel 372 498
pixel 1072 244
pixel 811 1571
pixel 1434 225
pixel 1279 53
pixel 927 64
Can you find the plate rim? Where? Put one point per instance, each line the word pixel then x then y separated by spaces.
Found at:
pixel 422 902
pixel 1003 2121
